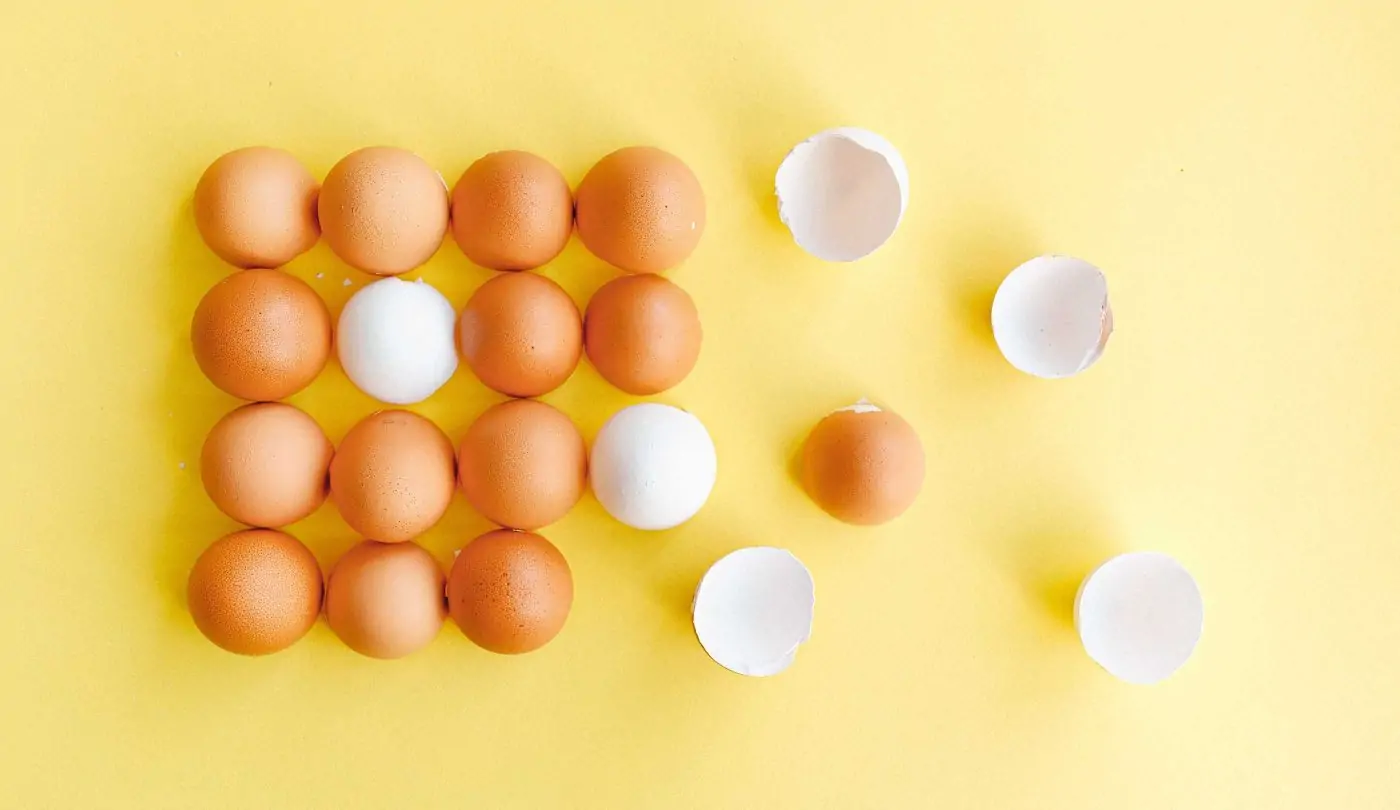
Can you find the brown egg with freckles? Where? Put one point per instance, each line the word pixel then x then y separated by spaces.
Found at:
pixel 510 592
pixel 383 210
pixel 265 464
pixel 863 465
pixel 256 207
pixel 512 211
pixel 255 592
pixel 386 600
pixel 642 333
pixel 521 334
pixel 261 335
pixel 640 209
pixel 393 476
pixel 523 464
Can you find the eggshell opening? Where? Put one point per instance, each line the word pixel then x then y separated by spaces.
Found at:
pixel 1051 316
pixel 1139 616
pixel 753 609
pixel 862 406
pixel 653 466
pixel 842 193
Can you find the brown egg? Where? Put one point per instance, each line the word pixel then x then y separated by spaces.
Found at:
pixel 255 592
pixel 863 465
pixel 521 334
pixel 261 335
pixel 640 209
pixel 265 464
pixel 383 210
pixel 523 464
pixel 393 476
pixel 510 591
pixel 256 207
pixel 386 600
pixel 512 211
pixel 642 333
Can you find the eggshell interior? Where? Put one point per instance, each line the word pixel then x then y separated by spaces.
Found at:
pixel 653 466
pixel 1139 616
pixel 753 608
pixel 396 340
pixel 1051 316
pixel 842 193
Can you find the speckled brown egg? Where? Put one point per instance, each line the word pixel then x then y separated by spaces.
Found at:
pixel 261 335
pixel 255 592
pixel 512 211
pixel 393 475
pixel 265 464
pixel 642 333
pixel 640 209
pixel 523 464
pixel 383 210
pixel 521 334
pixel 863 465
pixel 510 592
pixel 386 600
pixel 256 207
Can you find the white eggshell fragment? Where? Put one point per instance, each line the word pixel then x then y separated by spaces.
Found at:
pixel 652 466
pixel 1139 616
pixel 842 193
pixel 1051 316
pixel 752 610
pixel 396 340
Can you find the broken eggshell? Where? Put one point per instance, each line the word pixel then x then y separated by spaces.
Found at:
pixel 1139 616
pixel 753 609
pixel 1051 316
pixel 842 193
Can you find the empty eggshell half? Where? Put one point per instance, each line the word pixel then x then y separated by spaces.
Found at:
pixel 1139 616
pixel 753 609
pixel 842 193
pixel 1051 316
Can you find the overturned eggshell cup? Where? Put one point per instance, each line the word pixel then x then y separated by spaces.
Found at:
pixel 1051 316
pixel 753 609
pixel 842 193
pixel 1139 616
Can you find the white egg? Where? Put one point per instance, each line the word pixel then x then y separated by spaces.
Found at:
pixel 753 609
pixel 652 466
pixel 842 193
pixel 1051 316
pixel 396 340
pixel 1139 616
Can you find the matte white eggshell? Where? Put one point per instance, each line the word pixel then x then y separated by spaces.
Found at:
pixel 396 340
pixel 652 466
pixel 1050 316
pixel 753 608
pixel 1139 616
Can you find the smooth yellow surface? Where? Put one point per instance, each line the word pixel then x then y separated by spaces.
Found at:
pixel 1235 167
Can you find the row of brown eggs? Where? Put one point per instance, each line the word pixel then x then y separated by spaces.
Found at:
pixel 386 211
pixel 263 335
pixel 258 591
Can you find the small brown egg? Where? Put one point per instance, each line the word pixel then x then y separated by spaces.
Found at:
pixel 523 464
pixel 383 210
pixel 261 335
pixel 386 600
pixel 642 333
pixel 510 592
pixel 863 465
pixel 512 211
pixel 256 207
pixel 265 464
pixel 640 209
pixel 393 475
pixel 521 334
pixel 255 592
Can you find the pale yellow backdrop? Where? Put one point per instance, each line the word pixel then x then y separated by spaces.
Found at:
pixel 1234 166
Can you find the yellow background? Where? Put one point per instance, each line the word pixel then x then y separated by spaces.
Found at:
pixel 1235 168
